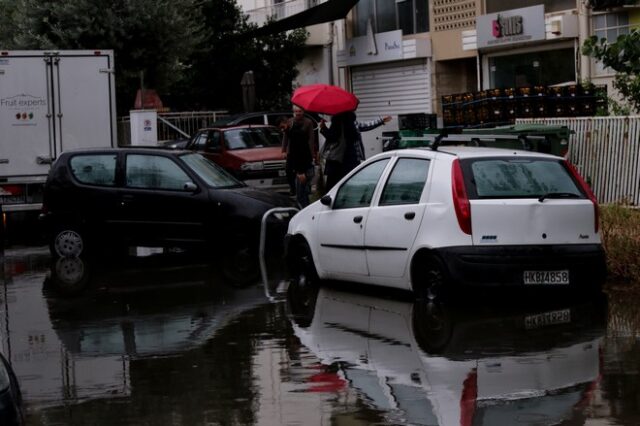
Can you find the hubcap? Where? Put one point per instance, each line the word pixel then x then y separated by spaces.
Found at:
pixel 69 243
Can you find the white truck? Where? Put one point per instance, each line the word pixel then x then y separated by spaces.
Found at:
pixel 50 101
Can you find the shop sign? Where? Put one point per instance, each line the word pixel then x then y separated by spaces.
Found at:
pixel 511 27
pixel 373 48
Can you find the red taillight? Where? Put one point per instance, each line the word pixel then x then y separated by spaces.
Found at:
pixel 460 198
pixel 12 189
pixel 587 190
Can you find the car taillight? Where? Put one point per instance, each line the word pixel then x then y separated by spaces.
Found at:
pixel 460 198
pixel 587 190
pixel 11 189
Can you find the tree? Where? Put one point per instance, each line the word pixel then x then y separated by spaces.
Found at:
pixel 151 36
pixel 623 56
pixel 192 51
pixel 227 53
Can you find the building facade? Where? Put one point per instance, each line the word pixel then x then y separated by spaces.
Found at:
pixel 401 56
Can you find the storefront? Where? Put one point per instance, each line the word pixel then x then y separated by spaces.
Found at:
pixel 390 75
pixel 525 48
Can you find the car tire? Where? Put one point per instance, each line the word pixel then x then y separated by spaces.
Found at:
pixel 302 269
pixel 68 241
pixel 241 266
pixel 433 278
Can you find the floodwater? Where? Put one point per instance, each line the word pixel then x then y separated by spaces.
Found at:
pixel 167 340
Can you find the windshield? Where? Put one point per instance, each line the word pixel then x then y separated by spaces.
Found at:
pixel 213 175
pixel 518 178
pixel 256 137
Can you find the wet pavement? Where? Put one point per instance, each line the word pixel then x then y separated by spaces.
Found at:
pixel 173 340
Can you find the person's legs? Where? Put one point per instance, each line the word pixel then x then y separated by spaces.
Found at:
pixel 303 189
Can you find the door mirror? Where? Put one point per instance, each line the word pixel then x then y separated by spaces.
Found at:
pixel 326 200
pixel 190 187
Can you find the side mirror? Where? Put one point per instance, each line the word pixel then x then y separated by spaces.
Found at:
pixel 326 200
pixel 190 187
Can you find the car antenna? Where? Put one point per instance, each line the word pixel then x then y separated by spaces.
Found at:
pixel 436 142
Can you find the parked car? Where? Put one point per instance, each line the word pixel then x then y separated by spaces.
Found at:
pixel 261 117
pixel 252 154
pixel 150 197
pixel 10 396
pixel 423 220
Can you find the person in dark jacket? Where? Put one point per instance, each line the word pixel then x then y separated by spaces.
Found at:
pixel 299 148
pixel 343 149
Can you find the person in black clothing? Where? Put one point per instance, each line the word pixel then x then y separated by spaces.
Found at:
pixel 299 148
pixel 343 149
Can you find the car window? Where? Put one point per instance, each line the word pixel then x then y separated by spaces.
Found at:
pixel 251 138
pixel 519 178
pixel 200 142
pixel 213 175
pixel 213 144
pixel 258 119
pixel 154 172
pixel 358 190
pixel 405 183
pixel 94 169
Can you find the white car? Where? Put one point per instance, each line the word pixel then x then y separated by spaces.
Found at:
pixel 424 219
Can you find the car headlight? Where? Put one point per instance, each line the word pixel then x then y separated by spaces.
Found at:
pixel 255 165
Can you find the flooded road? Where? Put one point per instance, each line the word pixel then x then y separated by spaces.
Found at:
pixel 170 340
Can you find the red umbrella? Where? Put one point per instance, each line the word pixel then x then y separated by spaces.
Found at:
pixel 324 99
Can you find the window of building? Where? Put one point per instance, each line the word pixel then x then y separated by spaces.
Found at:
pixel 542 68
pixel 410 16
pixel 494 6
pixel 610 25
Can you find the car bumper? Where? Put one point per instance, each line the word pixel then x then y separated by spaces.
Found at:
pixel 506 265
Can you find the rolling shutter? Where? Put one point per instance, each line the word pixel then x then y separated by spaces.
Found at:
pixel 392 89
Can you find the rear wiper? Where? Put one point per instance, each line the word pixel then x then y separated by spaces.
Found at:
pixel 558 195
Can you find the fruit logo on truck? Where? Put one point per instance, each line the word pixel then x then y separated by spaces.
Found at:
pixel 22 108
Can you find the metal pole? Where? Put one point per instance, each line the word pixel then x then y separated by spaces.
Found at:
pixel 263 237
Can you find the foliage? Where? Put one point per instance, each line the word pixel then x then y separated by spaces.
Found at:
pixel 227 54
pixel 191 51
pixel 623 56
pixel 621 240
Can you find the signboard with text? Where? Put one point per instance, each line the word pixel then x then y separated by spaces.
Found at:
pixel 380 47
pixel 510 27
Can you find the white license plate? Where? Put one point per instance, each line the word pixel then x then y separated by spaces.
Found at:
pixel 282 172
pixel 546 277
pixel 547 318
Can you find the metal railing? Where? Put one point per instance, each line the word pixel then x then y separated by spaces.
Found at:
pixel 606 152
pixel 280 10
pixel 172 125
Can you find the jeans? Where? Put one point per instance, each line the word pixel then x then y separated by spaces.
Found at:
pixel 303 189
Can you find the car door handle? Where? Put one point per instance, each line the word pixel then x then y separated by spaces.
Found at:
pixel 409 215
pixel 126 199
pixel 357 219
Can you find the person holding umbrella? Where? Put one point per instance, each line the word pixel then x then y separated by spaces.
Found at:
pixel 299 148
pixel 343 149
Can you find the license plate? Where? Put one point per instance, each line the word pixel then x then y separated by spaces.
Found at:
pixel 546 277
pixel 547 318
pixel 282 172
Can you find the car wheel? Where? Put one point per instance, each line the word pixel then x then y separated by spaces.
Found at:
pixel 67 241
pixel 434 278
pixel 241 263
pixel 302 269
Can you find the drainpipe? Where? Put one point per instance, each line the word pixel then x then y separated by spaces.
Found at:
pixel 583 33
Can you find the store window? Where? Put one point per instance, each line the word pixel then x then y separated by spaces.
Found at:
pixel 542 68
pixel 410 16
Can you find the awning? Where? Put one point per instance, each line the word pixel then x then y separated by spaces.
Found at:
pixel 329 11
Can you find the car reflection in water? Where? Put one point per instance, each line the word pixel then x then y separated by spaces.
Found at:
pixel 154 306
pixel 431 364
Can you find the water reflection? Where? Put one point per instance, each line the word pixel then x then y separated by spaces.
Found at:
pixel 432 364
pixel 154 306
